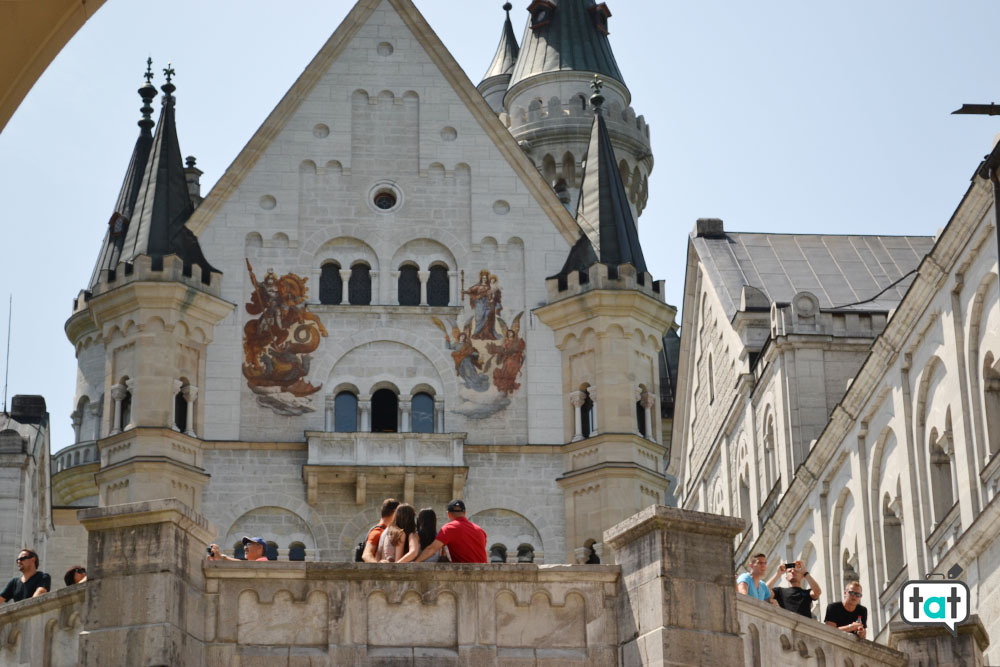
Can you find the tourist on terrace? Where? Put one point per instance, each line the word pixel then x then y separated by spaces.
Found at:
pixel 465 540
pixel 372 554
pixel 32 582
pixel 427 530
pixel 75 575
pixel 400 542
pixel 849 615
pixel 750 583
pixel 793 597
pixel 254 548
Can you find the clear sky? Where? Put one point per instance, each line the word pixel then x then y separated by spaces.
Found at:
pixel 776 115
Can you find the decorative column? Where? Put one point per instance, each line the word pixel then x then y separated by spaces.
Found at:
pixel 178 385
pixel 96 412
pixel 405 406
pixel 423 275
pixel 117 395
pixel 77 417
pixel 648 401
pixel 190 394
pixel 376 288
pixel 394 287
pixel 577 399
pixel 453 297
pixel 438 414
pixel 345 283
pixel 130 388
pixel 365 408
pixel 592 392
pixel 328 413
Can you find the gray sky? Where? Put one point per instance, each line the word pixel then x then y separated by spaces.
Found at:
pixel 776 115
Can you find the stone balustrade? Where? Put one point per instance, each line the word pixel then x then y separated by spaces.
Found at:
pixel 79 454
pixel 44 630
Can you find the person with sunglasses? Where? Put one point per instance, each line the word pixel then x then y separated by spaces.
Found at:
pixel 75 575
pixel 32 582
pixel 849 615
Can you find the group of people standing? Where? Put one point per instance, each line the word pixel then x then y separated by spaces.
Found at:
pixel 848 615
pixel 33 582
pixel 404 535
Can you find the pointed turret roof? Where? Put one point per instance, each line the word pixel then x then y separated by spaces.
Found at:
pixel 114 237
pixel 164 203
pixel 603 212
pixel 568 36
pixel 507 51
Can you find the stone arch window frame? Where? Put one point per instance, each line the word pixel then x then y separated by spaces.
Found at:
pixel 294 548
pixel 330 414
pixel 541 14
pixel 893 545
pixel 429 392
pixel 386 386
pixel 410 285
pixel 525 553
pixel 645 421
pixel 187 393
pixel 941 471
pixel 334 294
pixel 431 291
pixel 357 284
pixel 584 412
pixel 497 553
pixel 122 416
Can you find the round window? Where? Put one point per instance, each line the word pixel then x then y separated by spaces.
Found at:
pixel 384 200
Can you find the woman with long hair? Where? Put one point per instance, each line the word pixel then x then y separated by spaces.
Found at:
pixel 402 544
pixel 427 532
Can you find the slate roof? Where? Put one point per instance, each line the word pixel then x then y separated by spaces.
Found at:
pixel 507 50
pixel 571 41
pixel 839 270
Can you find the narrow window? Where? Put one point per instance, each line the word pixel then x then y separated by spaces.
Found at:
pixel 640 418
pixel 272 551
pixel 498 553
pixel 438 289
pixel 359 287
pixel 296 551
pixel 345 413
pixel 408 286
pixel 180 411
pixel 385 411
pixel 526 554
pixel 331 286
pixel 422 413
pixel 126 410
pixel 587 417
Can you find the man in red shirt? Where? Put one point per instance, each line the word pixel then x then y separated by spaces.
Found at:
pixel 371 554
pixel 465 540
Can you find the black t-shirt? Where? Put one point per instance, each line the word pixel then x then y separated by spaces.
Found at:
pixel 836 613
pixel 17 590
pixel 794 599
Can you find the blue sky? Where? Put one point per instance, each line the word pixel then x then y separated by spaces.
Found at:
pixel 776 116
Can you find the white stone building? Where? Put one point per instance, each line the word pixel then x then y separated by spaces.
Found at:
pixel 840 394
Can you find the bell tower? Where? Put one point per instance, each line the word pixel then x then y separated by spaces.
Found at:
pixel 142 328
pixel 609 318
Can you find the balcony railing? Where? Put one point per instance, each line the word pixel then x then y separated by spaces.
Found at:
pixel 385 449
pixel 79 454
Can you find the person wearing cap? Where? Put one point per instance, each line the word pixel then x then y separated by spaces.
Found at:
pixel 465 540
pixel 255 548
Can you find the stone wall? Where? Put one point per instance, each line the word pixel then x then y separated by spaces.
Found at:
pixel 44 631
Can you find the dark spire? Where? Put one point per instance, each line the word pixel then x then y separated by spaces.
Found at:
pixel 603 212
pixel 507 50
pixel 566 35
pixel 114 238
pixel 163 204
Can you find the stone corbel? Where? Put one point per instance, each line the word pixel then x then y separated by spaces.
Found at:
pixel 361 489
pixel 457 485
pixel 409 482
pixel 312 488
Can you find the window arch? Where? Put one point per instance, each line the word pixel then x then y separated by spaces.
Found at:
pixel 438 287
pixel 359 287
pixel 345 412
pixel 181 406
pixel 942 495
pixel 408 285
pixel 422 413
pixel 498 553
pixel 770 454
pixel 331 285
pixel 385 411
pixel 525 553
pixel 296 551
pixel 271 551
pixel 587 415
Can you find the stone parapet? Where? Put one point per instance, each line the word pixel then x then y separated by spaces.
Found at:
pixel 936 646
pixel 43 630
pixel 366 614
pixel 599 278
pixel 773 636
pixel 142 270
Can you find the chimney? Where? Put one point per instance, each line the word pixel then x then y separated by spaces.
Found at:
pixel 192 175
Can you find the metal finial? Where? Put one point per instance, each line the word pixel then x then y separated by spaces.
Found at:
pixel 596 100
pixel 169 72
pixel 149 70
pixel 507 7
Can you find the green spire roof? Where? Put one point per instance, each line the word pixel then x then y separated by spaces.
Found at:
pixel 507 50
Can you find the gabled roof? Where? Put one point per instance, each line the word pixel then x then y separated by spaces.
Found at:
pixel 449 68
pixel 839 270
pixel 164 203
pixel 507 51
pixel 571 40
pixel 603 211
pixel 114 237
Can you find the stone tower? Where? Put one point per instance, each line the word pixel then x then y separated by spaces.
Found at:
pixel 142 327
pixel 547 83
pixel 608 317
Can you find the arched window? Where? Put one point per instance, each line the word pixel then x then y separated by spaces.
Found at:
pixel 126 409
pixel 239 551
pixel 385 411
pixel 438 289
pixel 331 285
pixel 498 553
pixel 345 413
pixel 640 419
pixel 408 285
pixel 892 539
pixel 587 416
pixel 272 550
pixel 181 408
pixel 422 413
pixel 940 477
pixel 526 554
pixel 359 287
pixel 991 399
pixel 296 551
pixel 770 455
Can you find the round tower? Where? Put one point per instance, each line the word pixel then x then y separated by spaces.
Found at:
pixel 546 105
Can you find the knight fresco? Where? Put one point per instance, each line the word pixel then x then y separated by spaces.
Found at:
pixel 487 369
pixel 278 343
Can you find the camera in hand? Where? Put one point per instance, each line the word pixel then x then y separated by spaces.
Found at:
pixel 789 566
pixel 209 550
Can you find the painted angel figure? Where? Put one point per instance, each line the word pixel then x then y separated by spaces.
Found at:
pixel 509 357
pixel 468 365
